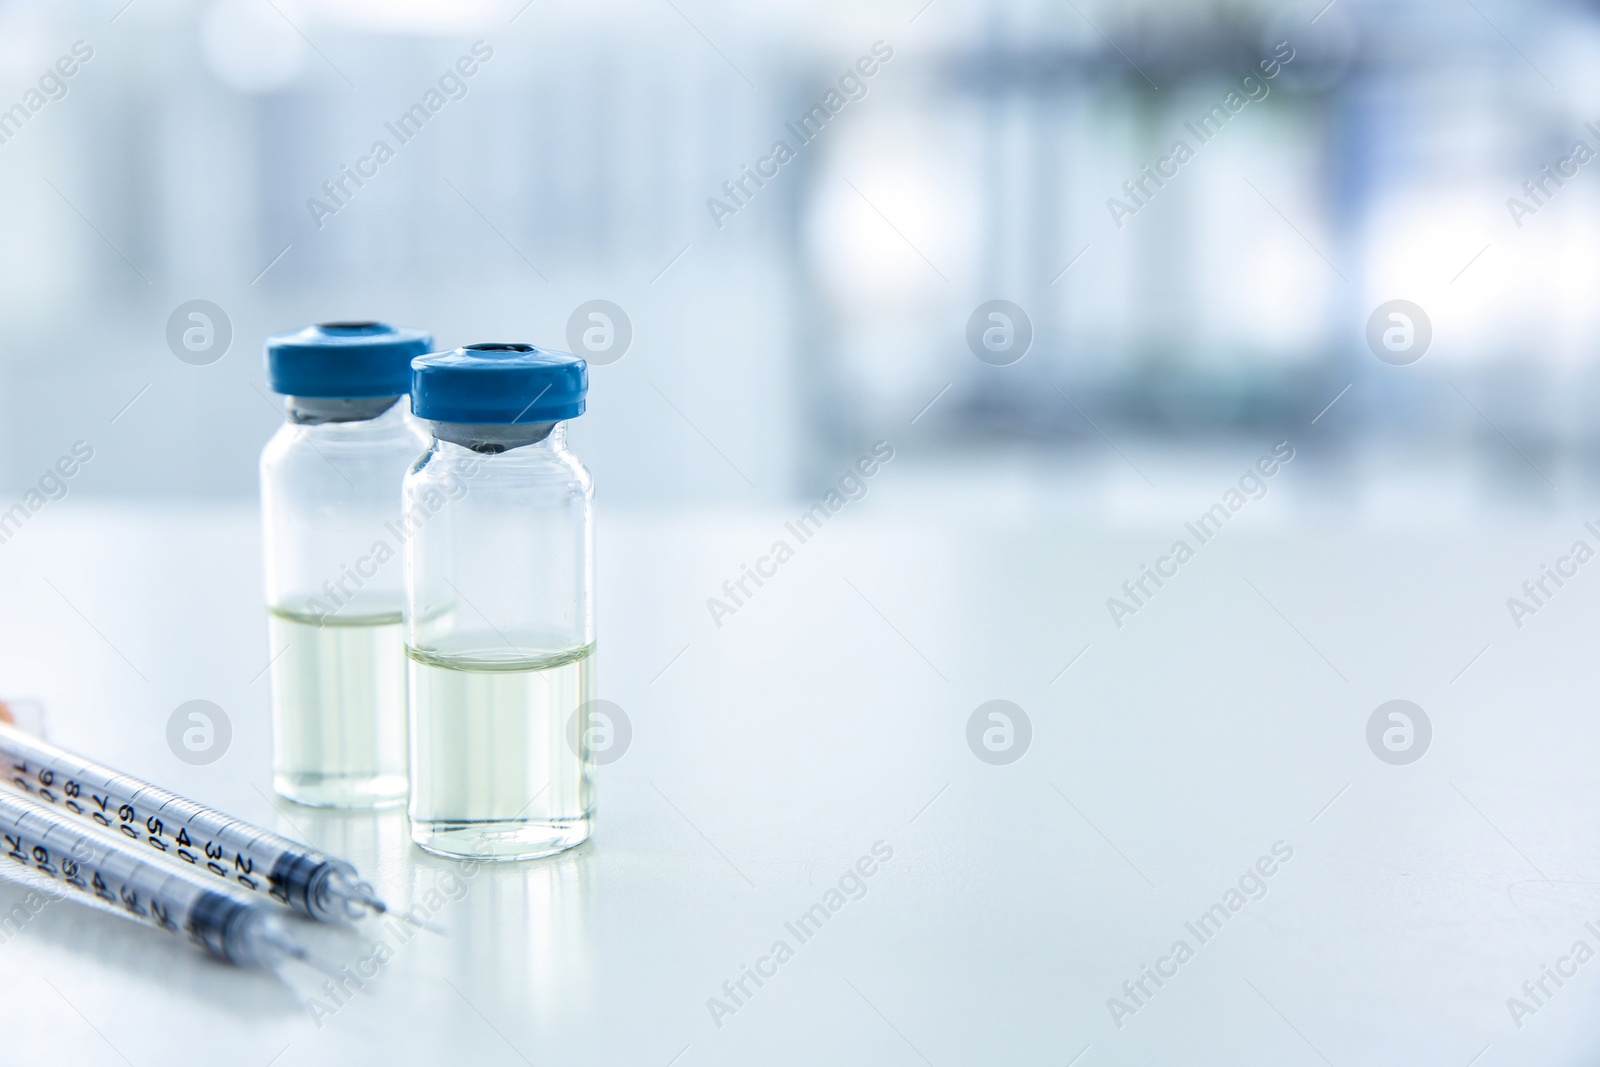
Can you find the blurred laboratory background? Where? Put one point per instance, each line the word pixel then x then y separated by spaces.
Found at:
pixel 1348 154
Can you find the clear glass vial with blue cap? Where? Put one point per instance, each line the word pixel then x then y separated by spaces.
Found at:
pixel 335 576
pixel 499 605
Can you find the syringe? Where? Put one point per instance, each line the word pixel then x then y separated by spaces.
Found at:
pixel 41 843
pixel 291 873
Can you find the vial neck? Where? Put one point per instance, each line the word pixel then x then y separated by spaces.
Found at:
pixel 317 410
pixel 493 439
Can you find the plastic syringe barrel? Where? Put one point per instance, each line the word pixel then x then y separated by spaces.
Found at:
pixel 233 850
pixel 40 846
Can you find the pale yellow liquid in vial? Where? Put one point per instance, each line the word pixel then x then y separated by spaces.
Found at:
pixel 338 709
pixel 494 774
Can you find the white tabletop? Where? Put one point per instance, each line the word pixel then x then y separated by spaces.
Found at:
pixel 830 713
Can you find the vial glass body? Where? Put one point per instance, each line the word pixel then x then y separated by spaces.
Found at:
pixel 500 641
pixel 330 503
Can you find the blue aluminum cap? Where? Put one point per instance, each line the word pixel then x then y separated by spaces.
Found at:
pixel 498 385
pixel 344 359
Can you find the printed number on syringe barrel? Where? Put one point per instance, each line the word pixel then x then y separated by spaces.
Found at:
pixel 225 922
pixel 74 858
pixel 115 809
pixel 291 873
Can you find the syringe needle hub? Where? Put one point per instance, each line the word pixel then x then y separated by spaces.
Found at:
pixel 356 896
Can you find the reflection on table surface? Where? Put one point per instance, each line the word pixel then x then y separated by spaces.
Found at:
pixel 824 730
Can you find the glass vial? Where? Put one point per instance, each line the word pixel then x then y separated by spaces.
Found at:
pixel 499 615
pixel 330 507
